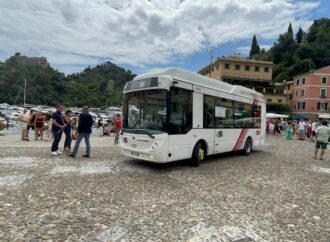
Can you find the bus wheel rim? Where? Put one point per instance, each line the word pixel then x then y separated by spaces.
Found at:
pixel 201 154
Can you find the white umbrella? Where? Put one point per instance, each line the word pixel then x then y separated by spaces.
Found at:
pixel 275 115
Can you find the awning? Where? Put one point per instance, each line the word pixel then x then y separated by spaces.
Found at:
pixel 275 115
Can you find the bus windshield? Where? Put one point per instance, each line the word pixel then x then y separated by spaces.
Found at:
pixel 146 110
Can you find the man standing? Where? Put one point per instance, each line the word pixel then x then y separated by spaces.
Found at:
pixel 57 129
pixel 118 125
pixel 322 135
pixel 85 124
pixel 302 129
pixel 24 120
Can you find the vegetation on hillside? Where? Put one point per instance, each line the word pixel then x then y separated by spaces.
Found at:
pixel 48 86
pixel 299 53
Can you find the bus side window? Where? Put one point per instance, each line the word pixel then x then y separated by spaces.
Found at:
pixel 181 111
pixel 208 112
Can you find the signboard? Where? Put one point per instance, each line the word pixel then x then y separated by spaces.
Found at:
pixel 220 112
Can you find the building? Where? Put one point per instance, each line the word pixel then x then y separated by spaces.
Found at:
pixel 311 92
pixel 250 73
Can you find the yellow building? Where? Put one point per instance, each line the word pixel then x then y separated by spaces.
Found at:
pixel 255 74
pixel 241 71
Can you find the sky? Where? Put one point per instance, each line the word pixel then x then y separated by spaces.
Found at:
pixel 142 35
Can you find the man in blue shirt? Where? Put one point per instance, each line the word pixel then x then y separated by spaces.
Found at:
pixel 57 129
pixel 84 129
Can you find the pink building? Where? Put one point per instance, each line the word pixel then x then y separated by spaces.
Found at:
pixel 311 92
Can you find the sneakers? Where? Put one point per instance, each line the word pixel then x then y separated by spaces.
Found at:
pixel 72 155
pixel 59 152
pixel 86 156
pixel 54 153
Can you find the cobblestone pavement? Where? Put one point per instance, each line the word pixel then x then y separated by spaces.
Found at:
pixel 278 193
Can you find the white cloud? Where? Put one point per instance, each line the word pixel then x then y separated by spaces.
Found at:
pixel 139 32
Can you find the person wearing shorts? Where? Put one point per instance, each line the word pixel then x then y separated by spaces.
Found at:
pixel 322 135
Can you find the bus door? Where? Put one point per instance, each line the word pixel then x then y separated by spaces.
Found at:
pixel 224 130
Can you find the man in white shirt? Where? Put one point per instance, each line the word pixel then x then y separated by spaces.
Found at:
pixel 24 120
pixel 302 129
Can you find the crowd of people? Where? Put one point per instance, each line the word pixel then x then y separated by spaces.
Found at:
pixel 317 131
pixel 56 123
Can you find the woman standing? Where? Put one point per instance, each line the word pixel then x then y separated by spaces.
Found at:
pixel 67 131
pixel 39 122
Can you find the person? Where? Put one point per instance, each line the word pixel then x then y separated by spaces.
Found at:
pixel 74 131
pixel 58 126
pixel 85 124
pixel 31 122
pixel 271 128
pixel 118 125
pixel 309 130
pixel 100 126
pixel 288 131
pixel 67 131
pixel 106 130
pixel 48 119
pixel 314 127
pixel 322 135
pixel 39 123
pixel 24 120
pixel 302 129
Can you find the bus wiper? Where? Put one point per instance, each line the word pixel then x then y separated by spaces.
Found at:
pixel 148 133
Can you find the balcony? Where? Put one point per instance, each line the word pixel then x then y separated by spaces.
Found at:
pixel 323 96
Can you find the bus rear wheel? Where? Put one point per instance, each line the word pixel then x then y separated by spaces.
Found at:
pixel 247 147
pixel 198 154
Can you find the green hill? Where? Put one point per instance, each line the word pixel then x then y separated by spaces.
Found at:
pixel 299 53
pixel 98 86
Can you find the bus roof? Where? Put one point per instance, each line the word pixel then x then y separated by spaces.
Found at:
pixel 197 79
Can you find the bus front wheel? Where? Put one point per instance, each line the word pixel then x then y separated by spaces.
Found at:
pixel 198 154
pixel 247 147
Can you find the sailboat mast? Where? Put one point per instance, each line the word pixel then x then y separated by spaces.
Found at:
pixel 24 90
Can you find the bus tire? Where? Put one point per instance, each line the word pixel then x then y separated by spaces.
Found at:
pixel 247 147
pixel 198 154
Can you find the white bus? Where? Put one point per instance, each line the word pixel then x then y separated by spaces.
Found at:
pixel 172 114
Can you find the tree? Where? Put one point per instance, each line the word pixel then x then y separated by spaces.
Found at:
pixel 255 48
pixel 299 35
pixel 290 32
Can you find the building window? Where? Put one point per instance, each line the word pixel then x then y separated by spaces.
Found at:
pixel 217 66
pixel 269 100
pixel 290 96
pixel 256 69
pixel 279 100
pixel 324 80
pixel 226 66
pixel 237 67
pixel 247 68
pixel 322 106
pixel 298 105
pixel 303 80
pixel 295 107
pixel 302 93
pixel 323 92
pixel 266 69
pixel 302 105
pixel 289 87
pixel 297 82
pixel 297 93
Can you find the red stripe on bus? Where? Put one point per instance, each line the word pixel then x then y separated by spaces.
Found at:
pixel 238 140
pixel 242 139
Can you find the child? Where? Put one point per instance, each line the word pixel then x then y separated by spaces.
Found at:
pixel 288 132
